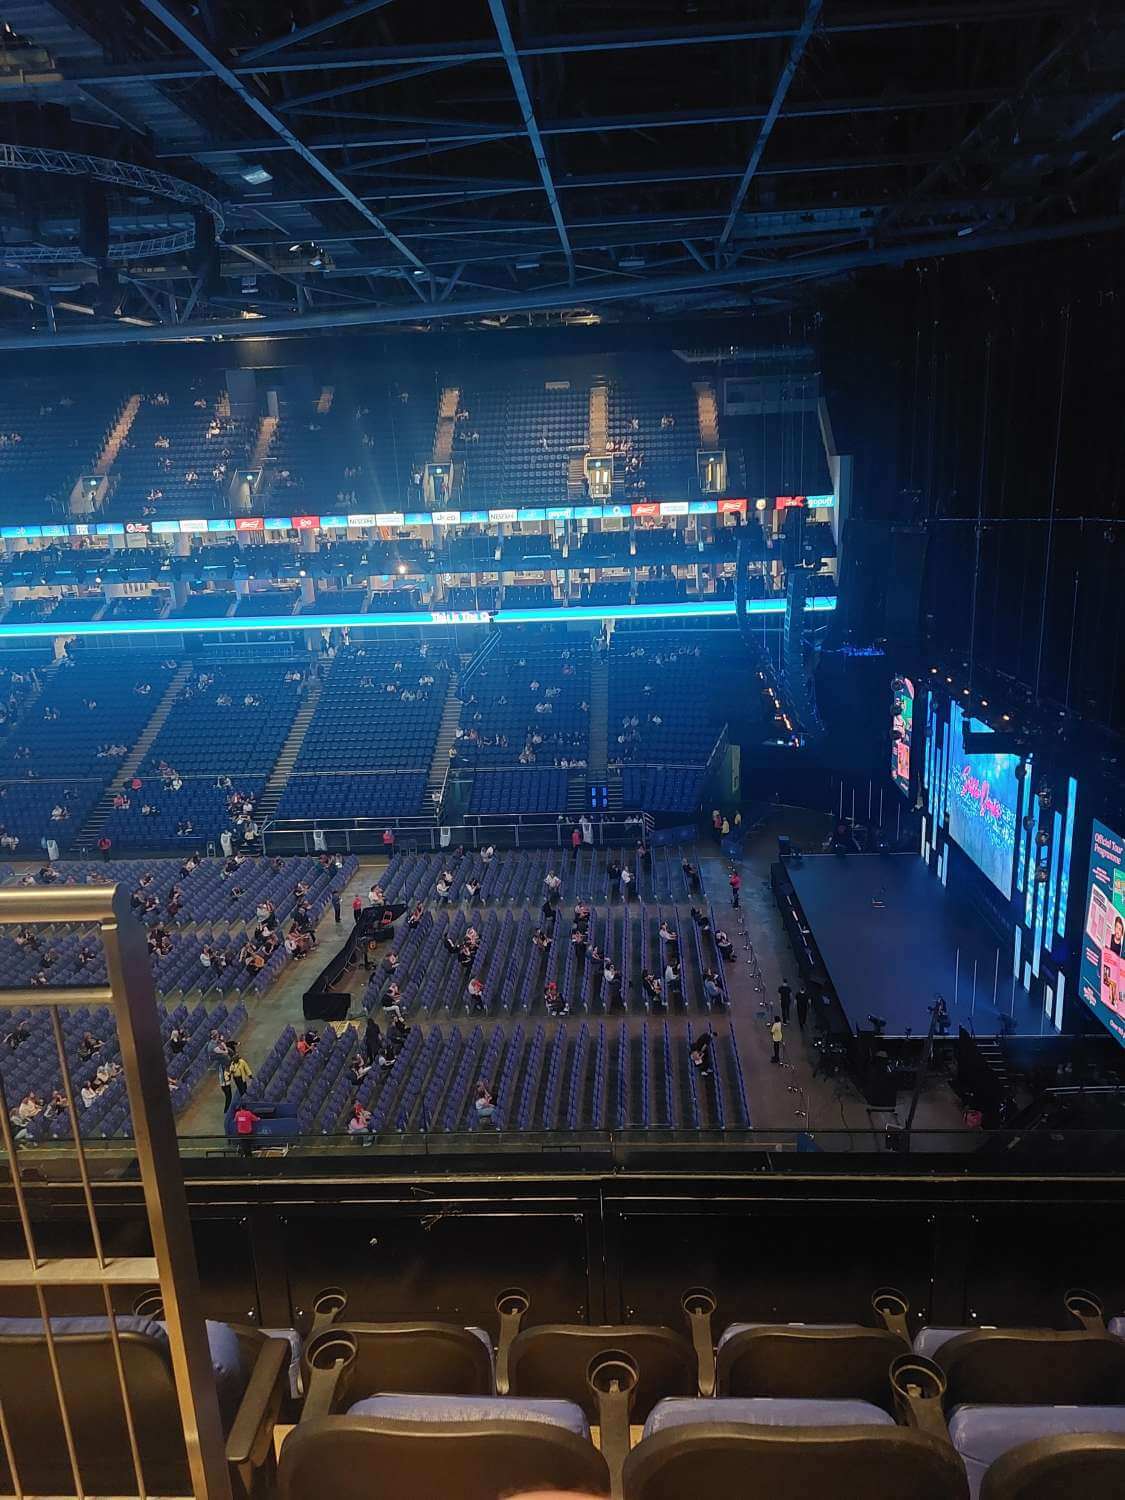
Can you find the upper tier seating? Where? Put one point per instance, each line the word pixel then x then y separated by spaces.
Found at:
pixel 680 696
pixel 397 425
pixel 48 437
pixel 651 458
pixel 187 818
pixel 178 457
pixel 360 726
pixel 352 794
pixel 93 699
pixel 205 733
pixel 26 809
pixel 527 436
pixel 316 456
pixel 526 703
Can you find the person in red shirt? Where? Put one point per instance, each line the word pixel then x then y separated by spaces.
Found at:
pixel 105 844
pixel 244 1122
pixel 389 840
pixel 357 907
pixel 576 840
pixel 735 883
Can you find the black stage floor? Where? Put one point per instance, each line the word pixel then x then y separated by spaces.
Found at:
pixel 892 960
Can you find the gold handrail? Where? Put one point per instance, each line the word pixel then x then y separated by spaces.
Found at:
pixel 131 996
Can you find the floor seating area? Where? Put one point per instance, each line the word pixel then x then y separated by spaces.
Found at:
pixel 33 1068
pixel 433 978
pixel 220 890
pixel 513 876
pixel 711 1405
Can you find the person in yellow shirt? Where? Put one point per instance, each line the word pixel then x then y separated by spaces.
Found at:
pixel 776 1035
pixel 240 1072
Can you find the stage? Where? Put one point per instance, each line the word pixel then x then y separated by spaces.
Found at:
pixel 888 935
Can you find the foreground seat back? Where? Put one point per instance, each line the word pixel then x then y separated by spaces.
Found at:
pixel 1033 1367
pixel 1090 1466
pixel 829 1364
pixel 358 1457
pixel 725 1461
pixel 88 1377
pixel 553 1360
pixel 346 1362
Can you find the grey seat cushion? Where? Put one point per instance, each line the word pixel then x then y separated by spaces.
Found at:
pixel 982 1434
pixel 764 1411
pixel 473 1409
pixel 222 1341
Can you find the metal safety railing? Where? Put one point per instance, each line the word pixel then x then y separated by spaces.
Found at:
pixel 172 1266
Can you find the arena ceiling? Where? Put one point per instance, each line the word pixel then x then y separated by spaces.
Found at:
pixel 171 171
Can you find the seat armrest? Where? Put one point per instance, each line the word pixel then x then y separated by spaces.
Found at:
pixel 250 1441
pixel 250 1341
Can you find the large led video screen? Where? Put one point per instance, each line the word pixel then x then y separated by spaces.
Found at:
pixel 982 797
pixel 902 724
pixel 1101 979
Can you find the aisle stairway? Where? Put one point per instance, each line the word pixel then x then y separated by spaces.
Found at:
pixel 708 411
pixel 599 419
pixel 117 435
pixel 439 763
pixel 443 432
pixel 91 829
pixel 576 478
pixel 287 759
pixel 599 715
pixel 267 426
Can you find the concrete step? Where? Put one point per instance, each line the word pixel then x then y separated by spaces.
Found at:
pixel 287 758
pixel 439 761
pixel 117 435
pixel 599 716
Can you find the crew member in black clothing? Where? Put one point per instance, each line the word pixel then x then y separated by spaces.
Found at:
pixel 785 996
pixel 802 1007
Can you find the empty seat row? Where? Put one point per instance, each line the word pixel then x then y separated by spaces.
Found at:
pixel 788 1410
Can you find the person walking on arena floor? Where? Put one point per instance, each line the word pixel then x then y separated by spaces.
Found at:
pixel 802 1007
pixel 776 1036
pixel 735 883
pixel 785 997
pixel 357 907
pixel 336 906
pixel 240 1071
